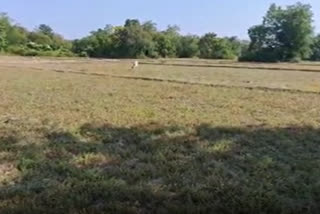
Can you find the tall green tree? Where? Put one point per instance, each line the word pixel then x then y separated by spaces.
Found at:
pixel 39 38
pixel 168 41
pixel 236 45
pixel 4 26
pixel 46 30
pixel 189 46
pixel 149 26
pixel 132 41
pixel 3 37
pixel 284 35
pixel 17 36
pixel 165 46
pixel 98 44
pixel 315 49
pixel 212 47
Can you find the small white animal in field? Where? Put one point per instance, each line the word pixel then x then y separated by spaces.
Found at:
pixel 135 64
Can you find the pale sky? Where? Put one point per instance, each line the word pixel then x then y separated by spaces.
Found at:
pixel 76 18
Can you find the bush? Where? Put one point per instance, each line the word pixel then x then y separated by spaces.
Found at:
pixel 25 51
pixel 17 50
pixel 64 53
pixel 83 54
pixel 30 52
pixel 38 47
pixel 295 60
pixel 260 56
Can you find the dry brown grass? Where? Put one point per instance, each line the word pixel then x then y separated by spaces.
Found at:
pixel 219 76
pixel 72 143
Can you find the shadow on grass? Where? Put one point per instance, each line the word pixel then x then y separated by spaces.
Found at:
pixel 162 169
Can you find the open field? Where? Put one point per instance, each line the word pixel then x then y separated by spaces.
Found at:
pixel 269 76
pixel 91 136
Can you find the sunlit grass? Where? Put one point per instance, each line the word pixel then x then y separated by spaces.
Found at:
pixel 73 143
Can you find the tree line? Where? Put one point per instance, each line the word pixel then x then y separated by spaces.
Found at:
pixel 285 34
pixel 15 39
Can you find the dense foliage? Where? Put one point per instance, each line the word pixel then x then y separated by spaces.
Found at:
pixel 132 40
pixel 136 40
pixel 15 39
pixel 315 49
pixel 286 34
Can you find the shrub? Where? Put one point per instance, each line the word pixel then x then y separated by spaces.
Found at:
pixel 83 54
pixel 260 56
pixel 17 50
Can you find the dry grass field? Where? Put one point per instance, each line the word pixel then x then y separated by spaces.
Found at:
pixel 92 136
pixel 281 76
